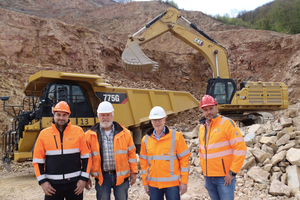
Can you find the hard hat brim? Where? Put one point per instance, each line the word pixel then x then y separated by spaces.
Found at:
pixel 207 105
pixel 157 117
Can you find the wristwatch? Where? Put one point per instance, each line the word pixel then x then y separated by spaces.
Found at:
pixel 232 173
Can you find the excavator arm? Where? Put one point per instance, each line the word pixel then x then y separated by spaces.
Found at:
pixel 135 60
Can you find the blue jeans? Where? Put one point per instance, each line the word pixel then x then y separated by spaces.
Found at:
pixel 217 190
pixel 172 193
pixel 109 181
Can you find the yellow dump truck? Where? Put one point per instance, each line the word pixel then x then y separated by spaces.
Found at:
pixel 83 92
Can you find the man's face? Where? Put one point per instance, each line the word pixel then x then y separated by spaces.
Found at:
pixel 210 112
pixel 61 118
pixel 106 120
pixel 158 124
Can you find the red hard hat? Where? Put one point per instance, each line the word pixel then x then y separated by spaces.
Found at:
pixel 62 106
pixel 207 100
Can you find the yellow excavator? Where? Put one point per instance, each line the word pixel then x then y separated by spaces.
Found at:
pixel 246 104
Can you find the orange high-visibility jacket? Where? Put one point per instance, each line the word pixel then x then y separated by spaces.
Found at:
pixel 164 163
pixel 61 161
pixel 222 149
pixel 124 150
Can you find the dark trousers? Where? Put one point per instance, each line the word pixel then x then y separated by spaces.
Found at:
pixel 65 191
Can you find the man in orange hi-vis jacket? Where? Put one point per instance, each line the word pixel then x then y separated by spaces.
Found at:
pixel 62 158
pixel 164 159
pixel 113 154
pixel 222 151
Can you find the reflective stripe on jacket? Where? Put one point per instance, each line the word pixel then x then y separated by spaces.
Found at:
pixel 164 163
pixel 224 148
pixel 60 162
pixel 124 150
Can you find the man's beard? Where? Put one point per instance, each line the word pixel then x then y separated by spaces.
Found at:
pixel 106 124
pixel 61 123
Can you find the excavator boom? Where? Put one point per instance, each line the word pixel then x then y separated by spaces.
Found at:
pixel 135 60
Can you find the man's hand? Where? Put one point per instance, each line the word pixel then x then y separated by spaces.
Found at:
pixel 48 189
pixel 80 187
pixel 146 187
pixel 88 185
pixel 228 178
pixel 182 188
pixel 132 178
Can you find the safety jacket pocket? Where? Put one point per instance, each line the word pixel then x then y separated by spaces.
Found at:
pixel 55 142
pixel 223 167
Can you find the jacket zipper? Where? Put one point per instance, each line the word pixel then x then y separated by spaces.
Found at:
pixel 62 154
pixel 223 166
pixel 55 142
pixel 206 143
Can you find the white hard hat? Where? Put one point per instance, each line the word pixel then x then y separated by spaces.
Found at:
pixel 157 112
pixel 105 107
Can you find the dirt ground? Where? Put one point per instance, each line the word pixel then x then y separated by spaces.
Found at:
pixel 20 183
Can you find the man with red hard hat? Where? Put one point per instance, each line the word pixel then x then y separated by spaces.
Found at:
pixel 61 157
pixel 222 151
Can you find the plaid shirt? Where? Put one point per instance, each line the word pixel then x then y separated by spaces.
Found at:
pixel 108 150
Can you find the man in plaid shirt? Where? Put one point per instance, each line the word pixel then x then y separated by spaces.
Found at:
pixel 113 155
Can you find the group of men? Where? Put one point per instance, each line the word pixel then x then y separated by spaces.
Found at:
pixel 65 157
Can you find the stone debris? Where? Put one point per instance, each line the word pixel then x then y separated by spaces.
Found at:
pixel 272 164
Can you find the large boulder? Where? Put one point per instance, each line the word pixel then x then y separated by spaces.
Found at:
pixel 292 112
pixel 268 140
pixel 278 157
pixel 267 149
pixel 249 139
pixel 259 175
pixel 260 155
pixel 286 122
pixel 293 178
pixel 287 146
pixel 293 156
pixel 249 160
pixel 296 121
pixel 277 188
pixel 253 128
pixel 283 140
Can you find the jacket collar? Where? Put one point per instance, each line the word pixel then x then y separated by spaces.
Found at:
pixel 96 128
pixel 67 125
pixel 150 131
pixel 203 120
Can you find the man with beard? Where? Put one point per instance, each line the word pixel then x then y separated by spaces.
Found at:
pixel 61 157
pixel 222 151
pixel 113 155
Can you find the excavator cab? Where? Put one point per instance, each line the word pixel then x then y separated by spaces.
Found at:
pixel 221 89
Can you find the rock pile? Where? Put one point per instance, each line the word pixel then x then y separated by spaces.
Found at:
pixel 272 165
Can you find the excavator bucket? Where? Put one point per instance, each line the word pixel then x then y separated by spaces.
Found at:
pixel 135 60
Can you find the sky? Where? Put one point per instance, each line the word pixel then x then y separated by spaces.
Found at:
pixel 221 7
